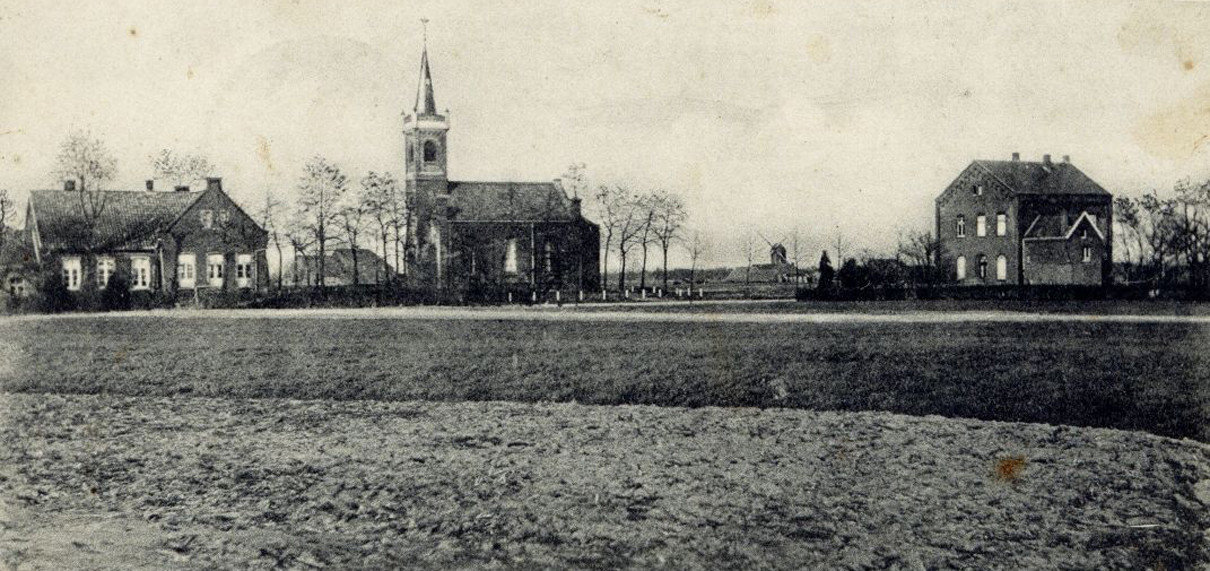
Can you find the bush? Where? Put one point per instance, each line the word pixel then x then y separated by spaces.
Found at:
pixel 116 295
pixel 52 296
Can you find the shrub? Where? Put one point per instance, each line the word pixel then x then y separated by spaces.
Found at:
pixel 116 295
pixel 52 295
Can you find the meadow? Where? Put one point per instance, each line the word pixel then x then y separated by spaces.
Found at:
pixel 1136 376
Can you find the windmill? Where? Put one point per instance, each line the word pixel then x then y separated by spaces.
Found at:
pixel 777 252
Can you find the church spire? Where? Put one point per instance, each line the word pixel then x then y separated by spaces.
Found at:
pixel 425 104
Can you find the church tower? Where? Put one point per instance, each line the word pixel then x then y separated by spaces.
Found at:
pixel 426 181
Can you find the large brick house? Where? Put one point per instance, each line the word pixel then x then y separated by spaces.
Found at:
pixel 1023 222
pixel 168 242
pixel 472 234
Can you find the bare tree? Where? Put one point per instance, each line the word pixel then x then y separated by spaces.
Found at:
pixel 630 229
pixel 645 206
pixel 698 249
pixel 841 244
pixel 269 216
pixel 7 209
pixel 611 204
pixel 379 193
pixel 749 246
pixel 670 216
pixel 575 179
pixel 182 169
pixel 921 250
pixel 320 191
pixel 86 160
pixel 351 213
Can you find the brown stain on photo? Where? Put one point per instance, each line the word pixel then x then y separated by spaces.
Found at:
pixel 763 8
pixel 263 153
pixel 819 49
pixel 1010 468
pixel 189 72
pixel 133 32
pixel 1179 131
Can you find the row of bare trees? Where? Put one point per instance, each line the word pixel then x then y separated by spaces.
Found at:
pixel 634 222
pixel 1164 238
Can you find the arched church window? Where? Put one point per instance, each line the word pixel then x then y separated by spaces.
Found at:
pixel 430 152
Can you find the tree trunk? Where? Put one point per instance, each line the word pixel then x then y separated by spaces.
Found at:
pixel 386 270
pixel 280 269
pixel 605 264
pixel 356 275
pixel 664 246
pixel 622 274
pixel 643 269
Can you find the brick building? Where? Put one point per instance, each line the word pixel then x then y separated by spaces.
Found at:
pixel 1024 222
pixel 165 242
pixel 488 234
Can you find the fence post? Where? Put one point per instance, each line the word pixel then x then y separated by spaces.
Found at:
pixel 558 296
pixel 534 296
pixel 510 297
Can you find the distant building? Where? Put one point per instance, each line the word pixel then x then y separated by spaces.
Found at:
pixel 338 268
pixel 467 234
pixel 1023 222
pixel 158 241
pixel 16 262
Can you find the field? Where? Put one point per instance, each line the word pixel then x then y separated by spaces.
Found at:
pixel 1136 376
pixel 433 439
pixel 195 483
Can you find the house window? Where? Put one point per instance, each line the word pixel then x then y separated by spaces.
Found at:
pixel 186 270
pixel 1001 224
pixel 1001 267
pixel 981 225
pixel 977 190
pixel 243 270
pixel 510 257
pixel 214 270
pixel 1087 254
pixel 224 216
pixel 71 273
pixel 961 227
pixel 982 267
pixel 1084 233
pixel 207 218
pixel 430 152
pixel 140 272
pixel 550 255
pixel 105 267
pixel 961 268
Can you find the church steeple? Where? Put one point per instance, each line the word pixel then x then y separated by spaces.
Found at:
pixel 425 103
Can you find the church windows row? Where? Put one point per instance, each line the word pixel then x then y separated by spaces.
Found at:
pixel 1001 267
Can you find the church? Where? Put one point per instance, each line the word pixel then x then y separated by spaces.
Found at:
pixel 475 236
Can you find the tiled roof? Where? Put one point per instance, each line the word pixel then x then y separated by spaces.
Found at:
pixel 1028 177
pixel 1053 226
pixel 339 264
pixel 127 220
pixel 510 201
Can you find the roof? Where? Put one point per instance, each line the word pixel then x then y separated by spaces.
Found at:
pixel 510 201
pixel 127 220
pixel 16 249
pixel 1028 177
pixel 425 103
pixel 338 263
pixel 1051 227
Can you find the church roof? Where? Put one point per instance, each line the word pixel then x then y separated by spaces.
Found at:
pixel 1028 177
pixel 127 219
pixel 511 201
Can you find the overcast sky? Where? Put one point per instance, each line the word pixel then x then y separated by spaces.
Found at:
pixel 767 116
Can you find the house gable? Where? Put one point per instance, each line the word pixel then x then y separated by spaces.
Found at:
pixel 228 226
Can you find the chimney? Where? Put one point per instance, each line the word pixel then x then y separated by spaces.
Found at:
pixel 1067 158
pixel 1016 157
pixel 1046 159
pixel 150 185
pixel 214 183
pixel 181 188
pixel 69 185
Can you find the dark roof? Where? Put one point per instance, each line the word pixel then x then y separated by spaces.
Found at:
pixel 128 219
pixel 510 201
pixel 16 250
pixel 1026 177
pixel 339 264
pixel 1054 226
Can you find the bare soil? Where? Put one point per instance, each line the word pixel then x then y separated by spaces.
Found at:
pixel 199 483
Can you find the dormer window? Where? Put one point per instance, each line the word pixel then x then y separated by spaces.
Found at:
pixel 977 190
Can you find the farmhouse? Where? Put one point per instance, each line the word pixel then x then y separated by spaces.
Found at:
pixel 339 267
pixel 488 234
pixel 1023 222
pixel 169 242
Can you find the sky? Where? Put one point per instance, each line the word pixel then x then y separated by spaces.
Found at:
pixel 768 117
